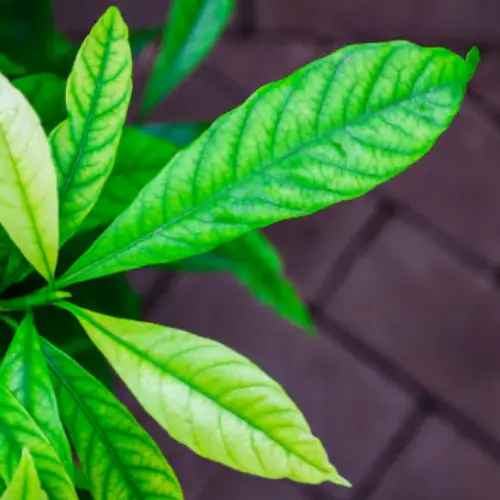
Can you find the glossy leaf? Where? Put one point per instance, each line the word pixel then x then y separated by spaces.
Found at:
pixel 256 263
pixel 193 27
pixel 211 399
pixel 24 372
pixel 28 189
pixel 25 484
pixel 97 98
pixel 140 158
pixel 180 133
pixel 45 92
pixel 328 133
pixel 17 431
pixel 119 458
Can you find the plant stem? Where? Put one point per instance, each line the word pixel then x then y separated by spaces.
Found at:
pixel 43 297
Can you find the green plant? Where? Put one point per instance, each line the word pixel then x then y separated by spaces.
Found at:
pixel 96 198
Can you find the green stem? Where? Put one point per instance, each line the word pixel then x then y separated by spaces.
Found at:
pixel 43 297
pixel 9 321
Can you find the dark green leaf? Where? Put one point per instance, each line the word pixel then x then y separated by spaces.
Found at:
pixel 10 68
pixel 140 39
pixel 45 92
pixel 193 27
pixel 180 133
pixel 257 264
pixel 117 455
pixel 26 31
pixel 24 372
pixel 328 133
pixel 140 158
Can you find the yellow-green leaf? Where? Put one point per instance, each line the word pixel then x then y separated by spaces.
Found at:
pixel 17 431
pixel 119 458
pixel 211 399
pixel 97 97
pixel 24 372
pixel 28 188
pixel 25 484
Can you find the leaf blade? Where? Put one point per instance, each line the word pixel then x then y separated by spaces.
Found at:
pixel 102 431
pixel 17 431
pixel 139 159
pixel 98 93
pixel 257 265
pixel 25 484
pixel 24 372
pixel 198 413
pixel 45 92
pixel 28 192
pixel 193 27
pixel 263 162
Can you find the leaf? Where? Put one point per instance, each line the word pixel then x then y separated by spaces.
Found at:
pixel 28 189
pixel 180 133
pixel 97 98
pixel 256 263
pixel 140 158
pixel 17 431
pixel 328 133
pixel 25 484
pixel 9 67
pixel 24 372
pixel 210 398
pixel 45 92
pixel 140 39
pixel 117 455
pixel 193 28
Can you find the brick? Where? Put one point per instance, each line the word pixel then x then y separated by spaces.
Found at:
pixel 348 406
pixel 252 63
pixel 456 184
pixel 244 487
pixel 421 21
pixel 436 318
pixel 486 81
pixel 310 245
pixel 440 465
pixel 74 17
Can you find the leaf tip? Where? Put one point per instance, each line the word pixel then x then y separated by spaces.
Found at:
pixel 113 18
pixel 473 57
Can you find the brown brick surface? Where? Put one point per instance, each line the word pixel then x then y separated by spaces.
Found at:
pixel 418 20
pixel 348 406
pixel 456 184
pixel 441 465
pixel 231 484
pixel 436 318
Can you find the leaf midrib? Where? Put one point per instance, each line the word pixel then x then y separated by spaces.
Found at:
pixel 90 116
pixel 254 172
pixel 95 426
pixel 25 201
pixel 161 368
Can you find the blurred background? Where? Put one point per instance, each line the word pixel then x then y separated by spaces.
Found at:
pixel 403 383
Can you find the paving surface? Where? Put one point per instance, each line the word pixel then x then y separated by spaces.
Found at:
pixel 403 384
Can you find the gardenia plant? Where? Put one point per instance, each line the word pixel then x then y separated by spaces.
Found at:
pixel 80 188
